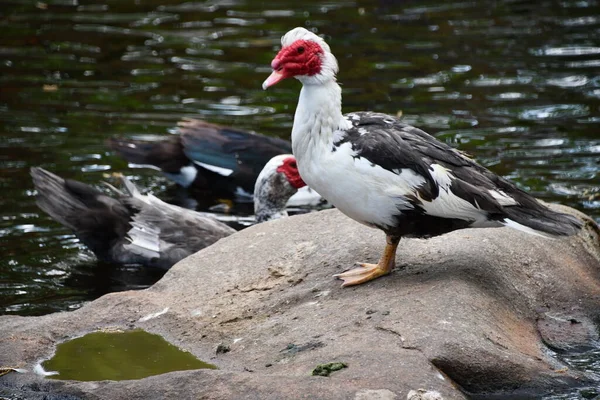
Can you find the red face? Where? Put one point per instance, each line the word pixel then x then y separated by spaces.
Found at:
pixel 290 169
pixel 303 57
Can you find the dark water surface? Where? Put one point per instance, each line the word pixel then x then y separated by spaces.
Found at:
pixel 514 83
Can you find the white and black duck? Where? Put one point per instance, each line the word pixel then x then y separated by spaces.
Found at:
pixel 389 175
pixel 132 228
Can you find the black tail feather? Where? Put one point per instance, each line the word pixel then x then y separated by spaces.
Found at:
pixel 165 154
pixel 97 219
pixel 543 219
pixel 54 198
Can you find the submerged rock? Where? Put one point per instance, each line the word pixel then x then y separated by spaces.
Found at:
pixel 463 311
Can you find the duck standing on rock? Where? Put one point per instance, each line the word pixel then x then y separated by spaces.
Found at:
pixel 141 229
pixel 390 175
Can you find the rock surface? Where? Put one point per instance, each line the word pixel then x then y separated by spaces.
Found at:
pixel 473 311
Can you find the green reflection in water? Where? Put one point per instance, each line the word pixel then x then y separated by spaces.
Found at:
pixel 119 356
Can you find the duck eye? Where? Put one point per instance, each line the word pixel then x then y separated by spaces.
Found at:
pixel 300 50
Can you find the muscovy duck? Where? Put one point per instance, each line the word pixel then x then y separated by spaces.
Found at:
pixel 141 229
pixel 390 175
pixel 206 156
pixel 278 180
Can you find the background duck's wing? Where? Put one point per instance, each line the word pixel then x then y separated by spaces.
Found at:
pixel 227 150
pixel 163 233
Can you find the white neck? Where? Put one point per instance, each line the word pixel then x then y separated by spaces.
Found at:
pixel 318 115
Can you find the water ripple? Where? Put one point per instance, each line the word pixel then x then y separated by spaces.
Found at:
pixel 555 111
pixel 566 51
pixel 569 81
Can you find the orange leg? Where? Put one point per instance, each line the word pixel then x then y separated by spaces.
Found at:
pixel 367 272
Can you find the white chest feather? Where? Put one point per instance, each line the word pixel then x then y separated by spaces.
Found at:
pixel 366 193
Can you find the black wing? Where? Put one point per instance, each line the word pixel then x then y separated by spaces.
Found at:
pixel 393 145
pixel 229 148
pixel 386 141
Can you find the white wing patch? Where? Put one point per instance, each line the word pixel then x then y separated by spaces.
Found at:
pixel 214 168
pixel 449 205
pixel 185 177
pixel 503 198
pixel 520 227
pixel 144 240
pixel 441 176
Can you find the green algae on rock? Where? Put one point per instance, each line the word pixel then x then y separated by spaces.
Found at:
pixel 118 356
pixel 327 369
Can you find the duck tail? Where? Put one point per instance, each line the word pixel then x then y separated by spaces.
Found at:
pixel 136 151
pixel 54 198
pixel 97 219
pixel 542 221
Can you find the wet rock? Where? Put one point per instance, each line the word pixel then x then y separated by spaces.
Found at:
pixel 422 394
pixel 33 392
pixel 568 331
pixel 370 394
pixel 462 311
pixel 223 348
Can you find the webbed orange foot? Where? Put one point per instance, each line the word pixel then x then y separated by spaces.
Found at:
pixel 366 272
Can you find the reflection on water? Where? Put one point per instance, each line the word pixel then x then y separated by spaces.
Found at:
pixel 515 84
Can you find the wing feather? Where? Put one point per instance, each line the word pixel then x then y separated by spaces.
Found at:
pixel 393 145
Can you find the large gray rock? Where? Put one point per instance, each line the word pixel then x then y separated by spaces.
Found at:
pixel 475 310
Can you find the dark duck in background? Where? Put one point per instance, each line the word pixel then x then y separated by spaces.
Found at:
pixel 389 175
pixel 210 158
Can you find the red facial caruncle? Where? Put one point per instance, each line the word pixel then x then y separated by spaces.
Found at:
pixel 290 169
pixel 303 57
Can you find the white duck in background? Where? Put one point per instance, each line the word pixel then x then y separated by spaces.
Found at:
pixel 389 175
pixel 132 228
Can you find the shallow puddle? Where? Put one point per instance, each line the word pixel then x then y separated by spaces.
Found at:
pixel 119 356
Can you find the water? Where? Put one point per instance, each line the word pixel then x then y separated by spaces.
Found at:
pixel 513 83
pixel 118 356
pixel 588 361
